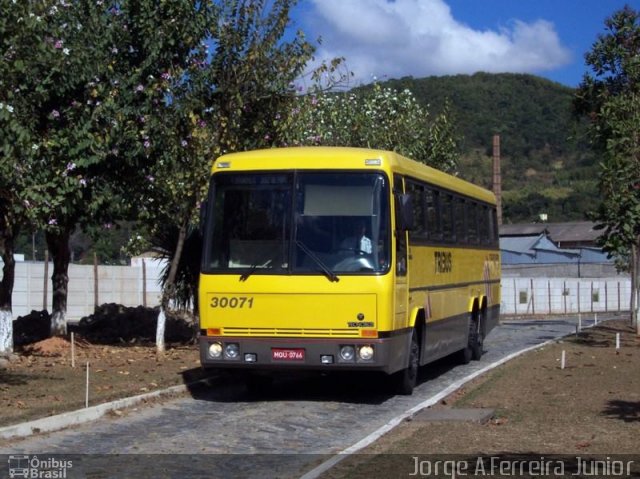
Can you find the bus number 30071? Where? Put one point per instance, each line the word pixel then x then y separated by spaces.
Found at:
pixel 231 302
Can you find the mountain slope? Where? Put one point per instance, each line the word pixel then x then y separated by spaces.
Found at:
pixel 547 165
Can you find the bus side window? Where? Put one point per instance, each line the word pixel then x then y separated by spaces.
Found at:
pixel 483 225
pixel 473 210
pixel 459 219
pixel 493 225
pixel 446 217
pixel 431 202
pixel 416 192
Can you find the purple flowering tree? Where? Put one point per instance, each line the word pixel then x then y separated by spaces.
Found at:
pixel 79 90
pixel 19 33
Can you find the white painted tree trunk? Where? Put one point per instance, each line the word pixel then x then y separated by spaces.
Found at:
pixel 6 332
pixel 162 321
pixel 58 323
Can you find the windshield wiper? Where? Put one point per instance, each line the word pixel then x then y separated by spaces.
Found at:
pixel 252 269
pixel 325 269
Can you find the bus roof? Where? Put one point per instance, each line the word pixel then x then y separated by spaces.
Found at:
pixel 348 158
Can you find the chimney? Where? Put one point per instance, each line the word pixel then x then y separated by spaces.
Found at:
pixel 497 179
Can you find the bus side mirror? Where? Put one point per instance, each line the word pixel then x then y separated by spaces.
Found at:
pixel 203 215
pixel 405 219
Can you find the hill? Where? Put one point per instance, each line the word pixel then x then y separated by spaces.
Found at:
pixel 547 165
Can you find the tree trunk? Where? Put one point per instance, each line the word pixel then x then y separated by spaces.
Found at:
pixel 169 287
pixel 6 290
pixel 58 244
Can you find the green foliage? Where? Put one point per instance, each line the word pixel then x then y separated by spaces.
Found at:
pixel 543 146
pixel 81 79
pixel 610 98
pixel 228 103
pixel 188 269
pixel 379 118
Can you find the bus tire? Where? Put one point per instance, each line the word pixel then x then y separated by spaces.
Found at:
pixel 472 350
pixel 465 355
pixel 477 345
pixel 475 336
pixel 404 381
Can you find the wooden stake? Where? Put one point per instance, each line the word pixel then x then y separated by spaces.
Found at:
pixel 73 351
pixel 86 396
pixel 563 359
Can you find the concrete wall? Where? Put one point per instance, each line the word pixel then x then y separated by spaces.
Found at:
pixel 116 284
pixel 542 296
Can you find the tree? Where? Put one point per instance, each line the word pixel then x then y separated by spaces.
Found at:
pixel 83 83
pixel 610 98
pixel 20 32
pixel 375 117
pixel 228 103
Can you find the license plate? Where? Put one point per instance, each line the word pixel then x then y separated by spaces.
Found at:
pixel 278 354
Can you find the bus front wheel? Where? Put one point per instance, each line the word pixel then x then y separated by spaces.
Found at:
pixel 404 381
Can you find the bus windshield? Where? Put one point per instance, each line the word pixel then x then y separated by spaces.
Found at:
pixel 327 223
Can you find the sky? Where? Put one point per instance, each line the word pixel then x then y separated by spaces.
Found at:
pixel 383 39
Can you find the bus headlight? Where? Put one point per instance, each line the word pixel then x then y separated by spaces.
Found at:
pixel 231 351
pixel 215 350
pixel 365 353
pixel 347 353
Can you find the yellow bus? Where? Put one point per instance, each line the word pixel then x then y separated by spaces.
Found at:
pixel 344 259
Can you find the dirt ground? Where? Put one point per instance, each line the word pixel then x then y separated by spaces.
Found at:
pixel 589 409
pixel 48 376
pixel 42 381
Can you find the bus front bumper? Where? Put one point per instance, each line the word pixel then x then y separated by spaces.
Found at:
pixel 382 354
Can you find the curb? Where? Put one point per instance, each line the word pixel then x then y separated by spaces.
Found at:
pixel 81 416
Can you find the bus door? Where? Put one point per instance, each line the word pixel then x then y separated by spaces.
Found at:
pixel 401 285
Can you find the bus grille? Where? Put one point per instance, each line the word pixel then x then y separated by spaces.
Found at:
pixel 291 332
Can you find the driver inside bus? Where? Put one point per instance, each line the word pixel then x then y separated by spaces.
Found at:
pixel 357 241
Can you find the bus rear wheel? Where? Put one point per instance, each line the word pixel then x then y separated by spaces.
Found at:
pixel 475 343
pixel 476 336
pixel 405 381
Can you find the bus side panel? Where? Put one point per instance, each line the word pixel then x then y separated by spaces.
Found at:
pixel 444 336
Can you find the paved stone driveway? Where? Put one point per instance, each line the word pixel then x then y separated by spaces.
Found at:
pixel 223 432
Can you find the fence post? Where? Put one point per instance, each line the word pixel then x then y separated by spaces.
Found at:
pixel 618 296
pixel 578 283
pixel 46 279
pixel 592 296
pixel 144 283
pixel 564 295
pixel 606 296
pixel 96 282
pixel 549 294
pixel 515 298
pixel 533 299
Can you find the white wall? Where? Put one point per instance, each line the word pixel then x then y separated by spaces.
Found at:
pixel 523 296
pixel 116 284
